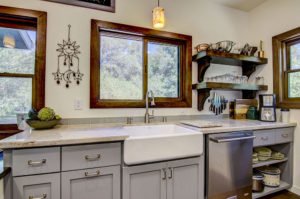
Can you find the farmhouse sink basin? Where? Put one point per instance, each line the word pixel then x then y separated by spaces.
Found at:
pixel 152 143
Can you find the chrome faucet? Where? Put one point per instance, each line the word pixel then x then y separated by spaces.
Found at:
pixel 149 116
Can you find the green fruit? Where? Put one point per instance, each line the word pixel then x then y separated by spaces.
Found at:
pixel 57 117
pixel 46 114
pixel 33 114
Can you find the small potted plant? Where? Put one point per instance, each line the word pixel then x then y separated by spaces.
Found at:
pixel 43 119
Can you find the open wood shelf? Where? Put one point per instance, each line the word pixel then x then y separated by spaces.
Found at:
pixel 271 190
pixel 248 64
pixel 204 88
pixel 229 86
pixel 229 58
pixel 269 162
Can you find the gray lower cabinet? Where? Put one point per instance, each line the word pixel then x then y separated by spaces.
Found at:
pixel 169 180
pixel 98 183
pixel 145 182
pixel 37 187
pixel 185 179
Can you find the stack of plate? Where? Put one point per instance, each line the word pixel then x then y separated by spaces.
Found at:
pixel 255 158
pixel 277 155
pixel 264 153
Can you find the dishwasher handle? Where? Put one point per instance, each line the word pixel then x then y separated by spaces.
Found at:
pixel 231 139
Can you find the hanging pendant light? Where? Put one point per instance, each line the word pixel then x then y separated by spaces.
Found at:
pixel 9 42
pixel 158 17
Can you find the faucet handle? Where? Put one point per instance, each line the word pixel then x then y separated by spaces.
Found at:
pixel 129 120
pixel 152 102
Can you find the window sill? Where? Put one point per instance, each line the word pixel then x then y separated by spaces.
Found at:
pixel 289 105
pixel 7 130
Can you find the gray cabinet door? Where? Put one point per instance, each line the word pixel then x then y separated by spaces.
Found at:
pixel 37 187
pixel 145 181
pixel 98 183
pixel 185 179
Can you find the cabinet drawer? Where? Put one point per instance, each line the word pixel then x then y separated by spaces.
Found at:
pixel 95 183
pixel 90 156
pixel 284 135
pixel 37 187
pixel 264 138
pixel 35 161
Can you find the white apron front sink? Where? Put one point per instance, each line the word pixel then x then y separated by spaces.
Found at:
pixel 154 143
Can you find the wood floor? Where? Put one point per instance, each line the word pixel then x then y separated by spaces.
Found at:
pixel 283 195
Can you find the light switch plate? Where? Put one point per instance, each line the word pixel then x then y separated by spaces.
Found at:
pixel 78 104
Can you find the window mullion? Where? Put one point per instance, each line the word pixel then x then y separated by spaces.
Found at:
pixel 145 65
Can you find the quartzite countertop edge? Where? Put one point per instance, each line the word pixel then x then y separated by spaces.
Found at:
pixel 97 133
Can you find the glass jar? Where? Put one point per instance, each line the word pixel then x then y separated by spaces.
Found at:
pixel 285 115
pixel 252 113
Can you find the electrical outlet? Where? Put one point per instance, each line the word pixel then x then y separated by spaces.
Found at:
pixel 78 104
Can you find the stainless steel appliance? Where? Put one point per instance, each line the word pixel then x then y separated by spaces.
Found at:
pixel 229 165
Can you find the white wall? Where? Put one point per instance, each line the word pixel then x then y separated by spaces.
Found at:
pixel 204 20
pixel 270 19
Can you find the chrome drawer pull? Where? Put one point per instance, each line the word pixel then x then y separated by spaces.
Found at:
pixel 265 138
pixel 222 140
pixel 171 173
pixel 37 163
pixel 42 197
pixel 285 135
pixel 96 174
pixel 164 174
pixel 91 158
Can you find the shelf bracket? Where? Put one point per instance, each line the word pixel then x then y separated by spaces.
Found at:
pixel 248 68
pixel 249 94
pixel 202 97
pixel 203 65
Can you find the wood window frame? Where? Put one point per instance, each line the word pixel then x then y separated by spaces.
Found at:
pixel 185 90
pixel 281 67
pixel 111 8
pixel 19 18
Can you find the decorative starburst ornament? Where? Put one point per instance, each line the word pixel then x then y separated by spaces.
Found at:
pixel 68 56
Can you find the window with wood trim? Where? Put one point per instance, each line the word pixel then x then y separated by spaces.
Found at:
pixel 128 61
pixel 22 63
pixel 286 58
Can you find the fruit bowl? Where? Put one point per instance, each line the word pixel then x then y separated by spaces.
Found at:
pixel 39 124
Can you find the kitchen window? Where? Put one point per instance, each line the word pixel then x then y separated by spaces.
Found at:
pixel 293 69
pixel 286 68
pixel 22 63
pixel 128 61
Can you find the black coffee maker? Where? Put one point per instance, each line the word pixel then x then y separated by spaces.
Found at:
pixel 267 108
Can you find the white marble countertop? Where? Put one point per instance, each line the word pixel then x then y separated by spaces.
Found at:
pixel 65 135
pixel 96 133
pixel 229 125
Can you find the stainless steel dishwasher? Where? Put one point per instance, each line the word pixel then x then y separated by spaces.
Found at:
pixel 229 165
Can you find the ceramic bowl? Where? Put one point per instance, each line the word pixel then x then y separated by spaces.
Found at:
pixel 38 124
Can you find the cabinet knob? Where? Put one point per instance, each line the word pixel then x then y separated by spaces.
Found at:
pixel 41 197
pixel 285 135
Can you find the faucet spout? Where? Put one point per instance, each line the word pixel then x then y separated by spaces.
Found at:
pixel 149 116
